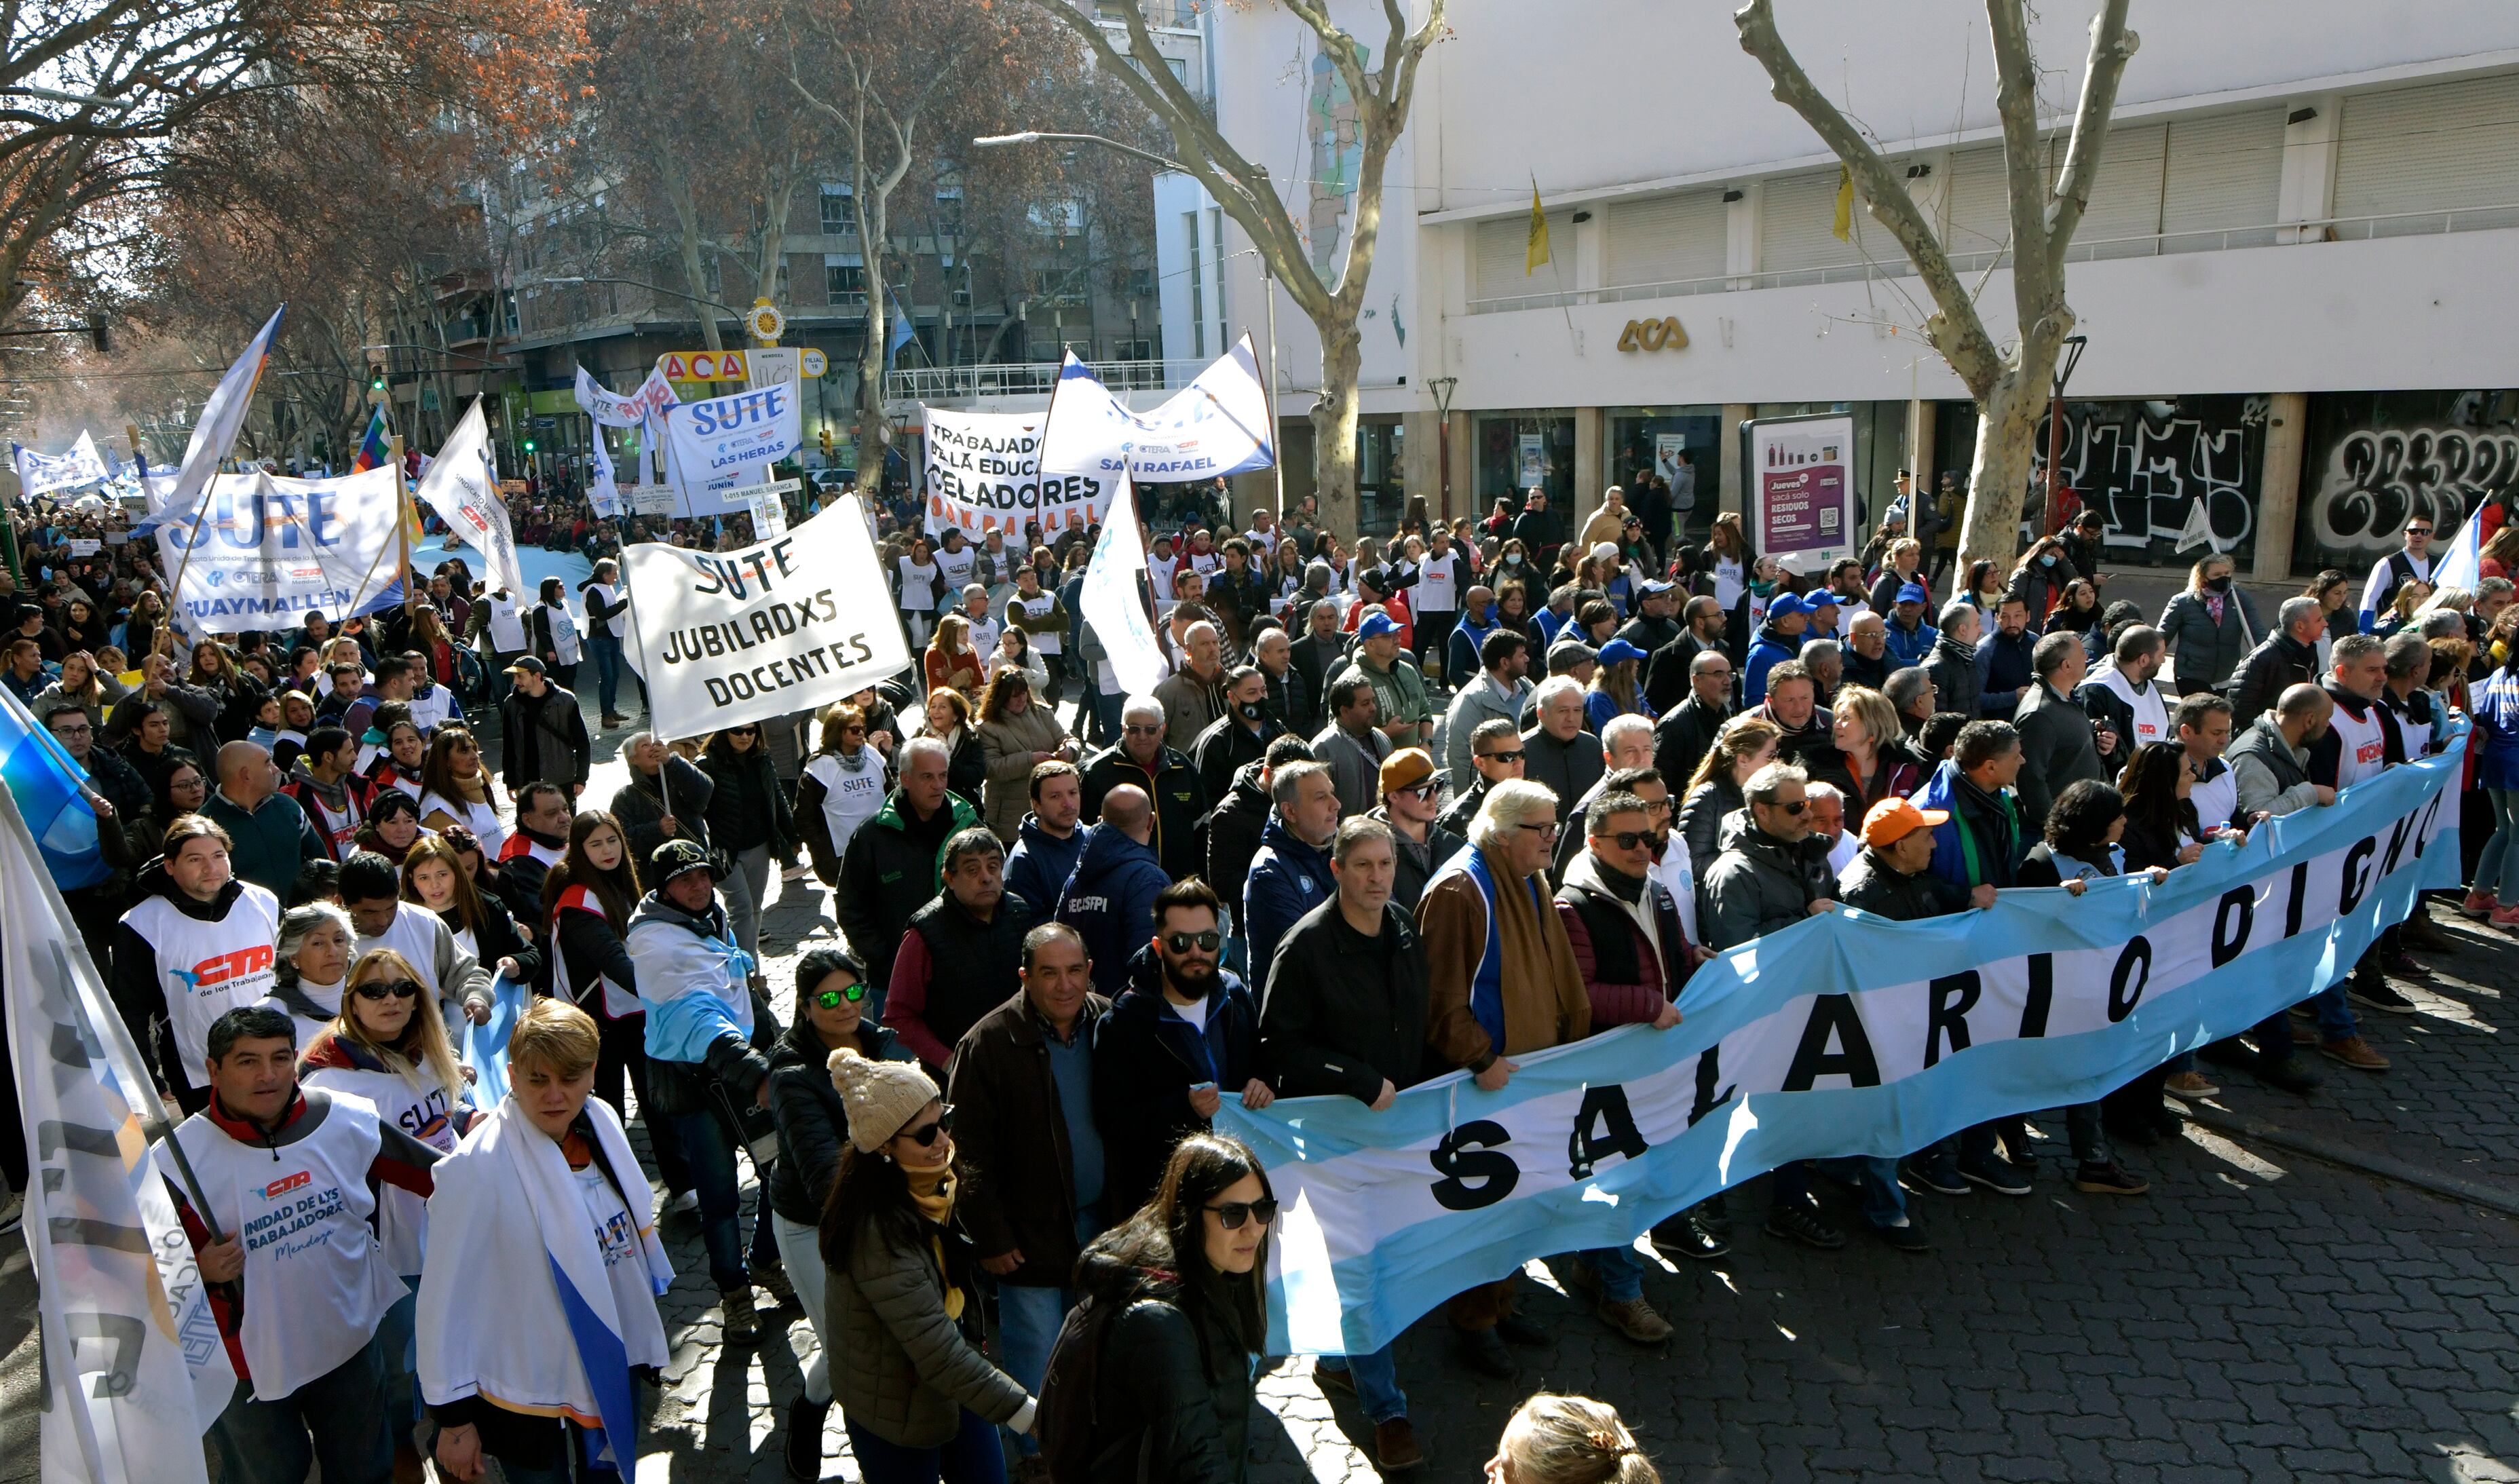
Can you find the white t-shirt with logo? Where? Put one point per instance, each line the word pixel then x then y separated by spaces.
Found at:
pixel 209 968
pixel 849 799
pixel 957 567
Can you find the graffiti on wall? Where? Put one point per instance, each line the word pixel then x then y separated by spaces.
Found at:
pixel 2375 479
pixel 2175 479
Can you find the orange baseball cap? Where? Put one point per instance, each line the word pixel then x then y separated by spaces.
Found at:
pixel 1893 819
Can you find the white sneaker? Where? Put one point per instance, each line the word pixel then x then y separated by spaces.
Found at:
pixel 684 1203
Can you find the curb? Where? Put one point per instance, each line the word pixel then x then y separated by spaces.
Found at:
pixel 2493 1196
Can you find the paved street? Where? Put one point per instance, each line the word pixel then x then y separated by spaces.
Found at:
pixel 2261 1315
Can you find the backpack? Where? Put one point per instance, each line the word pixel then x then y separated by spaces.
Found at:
pixel 1067 1412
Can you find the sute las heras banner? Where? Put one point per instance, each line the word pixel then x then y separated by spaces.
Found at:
pixel 266 552
pixel 1843 1034
pixel 785 625
pixel 983 474
pixel 725 443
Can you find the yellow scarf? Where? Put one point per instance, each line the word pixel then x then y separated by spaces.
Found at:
pixel 472 790
pixel 933 1194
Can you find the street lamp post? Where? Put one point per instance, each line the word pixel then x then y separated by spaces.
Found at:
pixel 2074 347
pixel 1443 387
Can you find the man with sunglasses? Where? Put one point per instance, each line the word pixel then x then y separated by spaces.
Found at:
pixel 1409 794
pixel 1022 1096
pixel 1496 755
pixel 1162 774
pixel 1183 1034
pixel 2411 563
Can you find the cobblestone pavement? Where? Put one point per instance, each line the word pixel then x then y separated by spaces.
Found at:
pixel 2260 1315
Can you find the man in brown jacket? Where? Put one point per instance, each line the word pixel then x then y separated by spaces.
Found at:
pixel 1490 1001
pixel 1022 1092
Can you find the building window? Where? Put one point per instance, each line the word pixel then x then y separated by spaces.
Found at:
pixel 948 211
pixel 1133 350
pixel 839 210
pixel 844 282
pixel 1197 287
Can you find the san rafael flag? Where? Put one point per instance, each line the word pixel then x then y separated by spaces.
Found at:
pixel 133 1366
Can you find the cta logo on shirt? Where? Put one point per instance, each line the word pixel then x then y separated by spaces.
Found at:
pixel 2371 750
pixel 286 1183
pixel 211 973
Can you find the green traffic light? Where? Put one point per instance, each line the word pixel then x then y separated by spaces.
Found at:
pixel 529 445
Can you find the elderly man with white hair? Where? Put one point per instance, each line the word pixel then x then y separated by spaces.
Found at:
pixel 1492 995
pixel 667 798
pixel 1193 696
pixel 895 863
pixel 1626 742
pixel 1558 752
pixel 1144 761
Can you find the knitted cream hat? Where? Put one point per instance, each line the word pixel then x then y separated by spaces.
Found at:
pixel 880 1096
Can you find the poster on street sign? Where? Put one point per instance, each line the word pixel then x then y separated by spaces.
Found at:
pixel 43 473
pixel 785 624
pixel 776 366
pixel 1801 493
pixel 1110 597
pixel 266 551
pixel 1217 425
pixel 723 444
pixel 649 499
pixel 134 1366
pixel 1843 1034
pixel 983 474
pixel 464 487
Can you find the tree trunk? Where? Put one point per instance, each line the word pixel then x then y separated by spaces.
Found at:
pixel 687 218
pixel 2007 425
pixel 1334 421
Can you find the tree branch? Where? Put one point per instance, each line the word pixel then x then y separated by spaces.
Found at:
pixel 2111 47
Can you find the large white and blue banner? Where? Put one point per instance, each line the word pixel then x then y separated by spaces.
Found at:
pixel 983 474
pixel 43 473
pixel 1218 424
pixel 1844 1034
pixel 264 552
pixel 728 443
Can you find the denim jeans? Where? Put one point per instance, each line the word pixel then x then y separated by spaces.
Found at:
pixel 2497 870
pixel 1028 1320
pixel 1377 1383
pixel 1884 1202
pixel 336 1419
pixel 973 1457
pixel 1622 1272
pixel 746 890
pixel 605 651
pixel 710 1148
pixel 398 1333
pixel 800 1248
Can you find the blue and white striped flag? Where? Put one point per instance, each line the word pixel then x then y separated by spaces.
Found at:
pixel 2462 564
pixel 48 787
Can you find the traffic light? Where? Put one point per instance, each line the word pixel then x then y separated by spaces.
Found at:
pixel 529 445
pixel 827 440
pixel 377 379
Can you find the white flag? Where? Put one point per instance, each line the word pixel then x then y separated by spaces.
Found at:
pixel 2462 564
pixel 601 492
pixel 728 443
pixel 462 486
pixel 1110 597
pixel 134 1368
pixel 604 407
pixel 785 625
pixel 216 431
pixel 43 473
pixel 1217 425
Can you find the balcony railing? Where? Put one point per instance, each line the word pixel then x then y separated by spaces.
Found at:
pixel 1030 379
pixel 2154 244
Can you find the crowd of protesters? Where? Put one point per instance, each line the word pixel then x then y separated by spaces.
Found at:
pixel 1397 808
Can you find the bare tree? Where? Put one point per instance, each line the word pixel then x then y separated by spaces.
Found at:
pixel 2009 385
pixel 1382 94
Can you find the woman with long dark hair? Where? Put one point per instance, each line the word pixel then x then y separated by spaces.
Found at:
pixel 2161 831
pixel 921 1403
pixel 1180 1310
pixel 748 819
pixel 456 788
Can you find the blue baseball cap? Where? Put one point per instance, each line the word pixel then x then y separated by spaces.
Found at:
pixel 1914 592
pixel 1785 604
pixel 1817 598
pixel 1375 626
pixel 1619 649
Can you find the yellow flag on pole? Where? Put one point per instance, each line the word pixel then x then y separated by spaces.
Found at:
pixel 1843 226
pixel 1537 253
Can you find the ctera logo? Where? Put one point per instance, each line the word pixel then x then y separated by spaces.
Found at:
pixel 286 1183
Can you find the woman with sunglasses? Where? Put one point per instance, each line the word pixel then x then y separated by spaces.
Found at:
pixel 748 819
pixel 813 1125
pixel 1156 1377
pixel 382 1049
pixel 921 1403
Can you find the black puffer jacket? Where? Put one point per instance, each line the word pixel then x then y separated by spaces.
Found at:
pixel 813 1121
pixel 1172 1392
pixel 747 807
pixel 1234 837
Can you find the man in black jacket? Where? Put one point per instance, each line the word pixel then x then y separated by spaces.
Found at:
pixel 1345 1012
pixel 1142 758
pixel 1233 830
pixel 1239 736
pixel 1496 753
pixel 1956 685
pixel 1685 733
pixel 541 735
pixel 1177 1041
pixel 1558 752
pixel 1866 652
pixel 1317 655
pixel 1290 699
pixel 1668 672
pixel 2006 672
pixel 2288 657
pixel 2058 745
pixel 958 956
pixel 1411 794
pixel 895 863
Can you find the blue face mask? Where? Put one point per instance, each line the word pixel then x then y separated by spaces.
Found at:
pixel 2048 560
pixel 1490 616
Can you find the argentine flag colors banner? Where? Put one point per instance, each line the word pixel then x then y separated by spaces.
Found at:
pixel 1217 425
pixel 1827 1038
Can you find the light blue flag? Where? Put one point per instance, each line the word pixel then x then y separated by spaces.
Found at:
pixel 485 1046
pixel 47 784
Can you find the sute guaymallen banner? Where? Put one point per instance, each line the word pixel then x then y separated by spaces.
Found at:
pixel 983 474
pixel 1827 1039
pixel 786 624
pixel 1217 425
pixel 264 552
pixel 730 443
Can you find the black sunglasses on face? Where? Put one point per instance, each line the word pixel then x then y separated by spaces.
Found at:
pixel 1627 840
pixel 1795 808
pixel 1232 1213
pixel 400 989
pixel 1511 757
pixel 829 1000
pixel 926 1137
pixel 1204 943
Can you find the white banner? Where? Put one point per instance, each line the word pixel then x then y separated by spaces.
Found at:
pixel 133 1369
pixel 1218 424
pixel 983 474
pixel 604 407
pixel 725 443
pixel 786 624
pixel 43 473
pixel 601 492
pixel 266 552
pixel 1110 597
pixel 461 485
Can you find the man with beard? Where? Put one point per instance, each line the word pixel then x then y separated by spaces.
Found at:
pixel 2123 700
pixel 1181 1036
pixel 1666 674
pixel 2005 664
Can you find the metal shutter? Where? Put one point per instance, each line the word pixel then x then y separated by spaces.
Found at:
pixel 1502 247
pixel 2223 171
pixel 1794 226
pixel 1667 239
pixel 2125 200
pixel 2438 147
pixel 1980 202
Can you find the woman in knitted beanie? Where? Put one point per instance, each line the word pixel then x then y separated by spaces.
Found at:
pixel 921 1403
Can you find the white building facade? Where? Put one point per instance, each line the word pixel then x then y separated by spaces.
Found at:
pixel 2295 271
